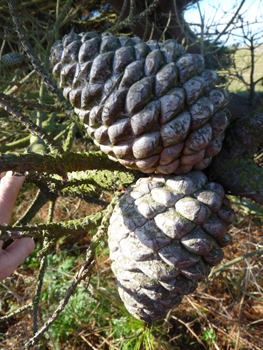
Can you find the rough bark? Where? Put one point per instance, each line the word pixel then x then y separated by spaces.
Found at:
pixel 234 167
pixel 239 106
pixel 58 164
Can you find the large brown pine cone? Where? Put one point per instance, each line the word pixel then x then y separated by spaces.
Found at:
pixel 151 106
pixel 165 233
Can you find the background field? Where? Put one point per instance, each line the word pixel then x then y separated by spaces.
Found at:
pixel 242 61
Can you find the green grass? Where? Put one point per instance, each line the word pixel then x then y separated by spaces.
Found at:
pixel 243 61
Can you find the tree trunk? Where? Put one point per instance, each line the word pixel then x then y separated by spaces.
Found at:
pixel 144 29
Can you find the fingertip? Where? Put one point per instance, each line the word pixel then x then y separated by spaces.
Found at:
pixel 30 245
pixel 13 255
pixel 20 249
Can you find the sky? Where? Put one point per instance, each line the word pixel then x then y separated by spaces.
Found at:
pixel 220 12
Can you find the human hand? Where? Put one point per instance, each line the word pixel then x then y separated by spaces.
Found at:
pixel 16 252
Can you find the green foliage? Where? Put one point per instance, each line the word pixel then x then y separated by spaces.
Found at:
pixel 247 208
pixel 209 336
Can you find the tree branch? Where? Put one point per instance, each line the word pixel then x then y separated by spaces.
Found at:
pixel 59 164
pixel 54 229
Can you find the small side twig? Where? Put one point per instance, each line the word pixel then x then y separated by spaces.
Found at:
pixel 16 312
pixel 41 272
pixel 190 330
pixel 30 53
pixel 123 9
pixel 20 83
pixel 32 127
pixel 38 202
pixel 85 271
pixel 128 22
pixel 31 105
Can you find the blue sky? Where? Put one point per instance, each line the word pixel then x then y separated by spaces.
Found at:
pixel 220 12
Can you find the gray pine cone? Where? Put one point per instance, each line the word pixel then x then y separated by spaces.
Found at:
pixel 165 233
pixel 151 106
pixel 12 59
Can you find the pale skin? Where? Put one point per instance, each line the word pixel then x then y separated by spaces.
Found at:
pixel 16 252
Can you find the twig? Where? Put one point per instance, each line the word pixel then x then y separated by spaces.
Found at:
pixel 36 297
pixel 60 17
pixel 86 341
pixel 41 272
pixel 20 83
pixel 31 105
pixel 167 26
pixel 132 9
pixel 84 271
pixel 32 127
pixel 239 319
pixel 130 22
pixel 228 24
pixel 16 312
pixel 82 274
pixel 12 292
pixel 190 330
pixel 123 9
pixel 146 24
pixel 70 137
pixel 30 53
pixel 38 202
pixel 235 261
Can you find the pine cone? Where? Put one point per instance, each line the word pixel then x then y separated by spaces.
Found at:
pixel 151 106
pixel 12 59
pixel 165 233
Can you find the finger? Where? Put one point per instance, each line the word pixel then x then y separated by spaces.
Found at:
pixel 9 188
pixel 14 254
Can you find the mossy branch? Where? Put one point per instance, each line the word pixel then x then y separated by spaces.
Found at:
pixel 54 229
pixel 58 164
pixel 86 180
